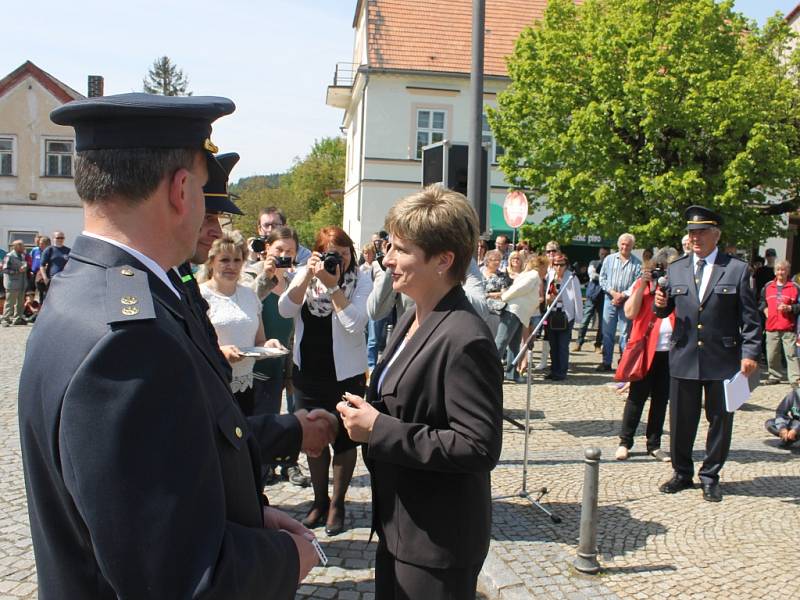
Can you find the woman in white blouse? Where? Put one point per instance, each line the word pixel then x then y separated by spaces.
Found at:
pixel 328 301
pixel 235 312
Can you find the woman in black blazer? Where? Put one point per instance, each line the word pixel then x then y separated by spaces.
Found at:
pixel 431 425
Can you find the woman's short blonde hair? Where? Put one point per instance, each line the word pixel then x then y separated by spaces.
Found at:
pixel 437 220
pixel 232 242
pixel 537 261
pixel 493 254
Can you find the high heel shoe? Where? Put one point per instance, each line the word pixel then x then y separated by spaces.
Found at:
pixel 316 516
pixel 335 523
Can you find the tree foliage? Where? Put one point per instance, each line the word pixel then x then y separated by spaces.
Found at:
pixel 621 113
pixel 309 194
pixel 165 79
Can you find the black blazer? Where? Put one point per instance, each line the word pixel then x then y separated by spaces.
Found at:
pixel 431 450
pixel 140 469
pixel 712 335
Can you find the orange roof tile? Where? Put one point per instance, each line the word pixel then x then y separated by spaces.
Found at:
pixel 436 35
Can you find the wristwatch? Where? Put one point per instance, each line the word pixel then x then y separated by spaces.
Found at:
pixel 332 289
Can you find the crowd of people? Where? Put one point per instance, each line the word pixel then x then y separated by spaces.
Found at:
pixel 26 275
pixel 189 338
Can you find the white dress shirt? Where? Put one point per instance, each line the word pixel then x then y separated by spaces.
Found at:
pixel 710 260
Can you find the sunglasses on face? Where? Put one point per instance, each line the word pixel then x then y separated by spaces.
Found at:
pixel 559 264
pixel 550 251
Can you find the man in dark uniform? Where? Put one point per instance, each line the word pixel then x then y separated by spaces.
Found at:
pixel 141 473
pixel 717 333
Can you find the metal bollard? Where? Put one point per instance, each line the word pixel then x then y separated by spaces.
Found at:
pixel 586 561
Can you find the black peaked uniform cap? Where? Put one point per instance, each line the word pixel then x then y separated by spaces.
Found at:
pixel 137 120
pixel 700 217
pixel 218 200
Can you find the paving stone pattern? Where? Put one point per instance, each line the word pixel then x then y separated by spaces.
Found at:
pixel 651 545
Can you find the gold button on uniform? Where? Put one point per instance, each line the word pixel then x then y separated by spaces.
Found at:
pixel 127 272
pixel 128 300
pixel 239 433
pixel 700 343
pixel 699 325
pixel 129 311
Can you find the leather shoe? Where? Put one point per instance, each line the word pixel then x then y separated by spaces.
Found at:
pixel 675 485
pixel 316 516
pixel 711 492
pixel 603 368
pixel 335 523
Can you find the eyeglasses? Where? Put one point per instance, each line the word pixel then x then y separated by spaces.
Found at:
pixel 60 238
pixel 550 251
pixel 559 264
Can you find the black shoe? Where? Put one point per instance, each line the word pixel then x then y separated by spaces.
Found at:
pixel 711 492
pixel 335 522
pixel 771 382
pixel 316 516
pixel 295 476
pixel 603 368
pixel 675 485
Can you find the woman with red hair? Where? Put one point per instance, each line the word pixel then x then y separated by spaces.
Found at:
pixel 328 301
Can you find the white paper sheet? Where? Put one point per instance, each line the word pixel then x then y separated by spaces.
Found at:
pixel 737 391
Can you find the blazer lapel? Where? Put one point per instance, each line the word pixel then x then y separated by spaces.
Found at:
pixel 419 340
pixel 398 335
pixel 690 275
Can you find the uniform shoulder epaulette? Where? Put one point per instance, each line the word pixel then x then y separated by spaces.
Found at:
pixel 128 296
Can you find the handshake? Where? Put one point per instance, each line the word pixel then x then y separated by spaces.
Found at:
pixel 319 430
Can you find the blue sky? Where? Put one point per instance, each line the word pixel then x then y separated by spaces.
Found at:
pixel 274 58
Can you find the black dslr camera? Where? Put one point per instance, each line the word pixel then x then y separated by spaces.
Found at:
pixel 331 260
pixel 259 244
pixel 657 272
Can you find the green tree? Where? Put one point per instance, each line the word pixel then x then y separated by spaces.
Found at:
pixel 310 193
pixel 621 113
pixel 165 79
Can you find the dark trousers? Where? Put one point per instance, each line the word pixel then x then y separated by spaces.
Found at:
pixel 684 417
pixel 509 334
pixel 246 401
pixel 592 310
pixel 559 351
pixel 397 580
pixel 655 385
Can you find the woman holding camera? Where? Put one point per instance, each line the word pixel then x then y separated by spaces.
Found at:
pixel 562 317
pixel 431 425
pixel 655 334
pixel 328 301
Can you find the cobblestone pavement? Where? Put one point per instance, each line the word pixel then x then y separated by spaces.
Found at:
pixel 651 545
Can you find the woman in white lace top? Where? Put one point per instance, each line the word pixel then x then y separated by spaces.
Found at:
pixel 235 312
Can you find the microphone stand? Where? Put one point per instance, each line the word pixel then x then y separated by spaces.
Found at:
pixel 528 347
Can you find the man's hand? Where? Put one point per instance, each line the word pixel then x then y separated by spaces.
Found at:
pixel 783 434
pixel 319 429
pixel 359 418
pixel 306 553
pixel 231 353
pixel 748 366
pixel 273 343
pixel 661 298
pixel 277 519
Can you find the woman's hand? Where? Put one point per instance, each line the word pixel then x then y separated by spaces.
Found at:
pixel 270 267
pixel 232 353
pixel 358 418
pixel 327 279
pixel 273 343
pixel 647 275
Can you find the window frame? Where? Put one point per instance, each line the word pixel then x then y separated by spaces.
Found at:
pixel 446 130
pixel 46 155
pixel 13 139
pixel 488 138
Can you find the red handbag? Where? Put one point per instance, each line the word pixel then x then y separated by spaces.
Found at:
pixel 632 364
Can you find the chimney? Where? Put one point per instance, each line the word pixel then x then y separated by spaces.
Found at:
pixel 95 86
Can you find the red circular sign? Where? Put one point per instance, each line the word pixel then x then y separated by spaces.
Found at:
pixel 515 209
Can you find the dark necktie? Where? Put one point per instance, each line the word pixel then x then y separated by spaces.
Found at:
pixel 698 276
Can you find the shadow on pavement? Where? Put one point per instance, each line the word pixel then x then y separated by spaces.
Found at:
pixel 770 486
pixel 755 456
pixel 618 532
pixel 638 569
pixel 589 427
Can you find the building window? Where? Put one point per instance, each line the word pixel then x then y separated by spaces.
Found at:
pixel 495 149
pixel 6 155
pixel 58 158
pixel 431 126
